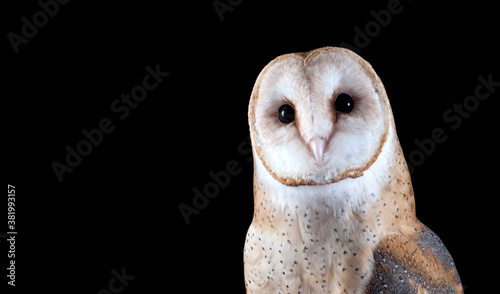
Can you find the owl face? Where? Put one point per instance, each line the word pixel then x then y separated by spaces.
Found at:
pixel 318 117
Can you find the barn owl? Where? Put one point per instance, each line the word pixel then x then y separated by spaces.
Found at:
pixel 334 209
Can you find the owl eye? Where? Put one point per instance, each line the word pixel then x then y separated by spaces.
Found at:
pixel 344 103
pixel 286 114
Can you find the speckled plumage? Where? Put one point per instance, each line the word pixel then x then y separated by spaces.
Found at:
pixel 334 226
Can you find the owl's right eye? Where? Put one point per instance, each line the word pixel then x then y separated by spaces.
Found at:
pixel 286 114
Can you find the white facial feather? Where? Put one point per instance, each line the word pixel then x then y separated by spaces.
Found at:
pixel 351 194
pixel 310 85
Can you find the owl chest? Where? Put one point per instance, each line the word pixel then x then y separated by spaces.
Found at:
pixel 306 260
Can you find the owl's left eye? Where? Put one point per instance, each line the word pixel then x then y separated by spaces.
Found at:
pixel 344 103
pixel 286 114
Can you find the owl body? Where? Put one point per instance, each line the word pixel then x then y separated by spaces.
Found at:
pixel 334 209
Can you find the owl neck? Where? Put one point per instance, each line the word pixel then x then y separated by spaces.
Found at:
pixel 382 199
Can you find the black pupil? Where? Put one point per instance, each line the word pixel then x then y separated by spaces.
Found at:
pixel 286 114
pixel 344 103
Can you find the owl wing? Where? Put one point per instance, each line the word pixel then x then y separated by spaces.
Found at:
pixel 419 263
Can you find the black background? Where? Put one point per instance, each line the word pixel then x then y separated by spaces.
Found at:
pixel 119 207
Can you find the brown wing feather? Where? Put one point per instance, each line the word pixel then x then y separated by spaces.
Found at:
pixel 416 264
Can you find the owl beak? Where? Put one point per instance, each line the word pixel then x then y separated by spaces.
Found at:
pixel 317 146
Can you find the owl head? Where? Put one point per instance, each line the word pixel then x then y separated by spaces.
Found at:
pixel 318 117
